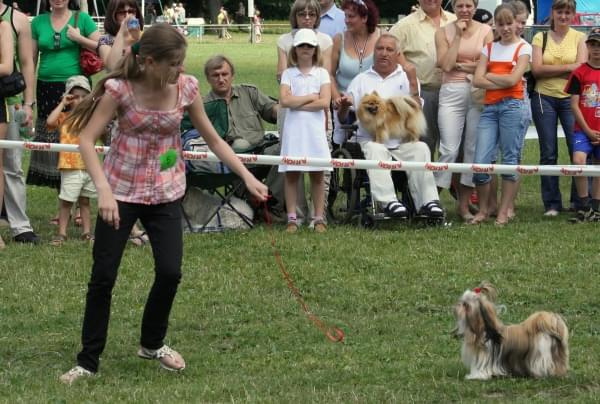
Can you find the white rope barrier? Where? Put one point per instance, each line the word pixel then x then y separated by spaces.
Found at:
pixel 558 170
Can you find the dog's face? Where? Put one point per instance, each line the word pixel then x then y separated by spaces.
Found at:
pixel 373 104
pixel 466 313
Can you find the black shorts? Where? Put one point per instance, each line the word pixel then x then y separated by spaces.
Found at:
pixel 3 110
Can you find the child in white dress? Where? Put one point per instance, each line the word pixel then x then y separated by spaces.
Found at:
pixel 305 91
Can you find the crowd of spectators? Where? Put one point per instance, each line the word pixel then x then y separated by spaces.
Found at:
pixel 442 59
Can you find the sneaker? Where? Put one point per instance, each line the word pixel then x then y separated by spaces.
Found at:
pixel 74 374
pixel 395 209
pixel 593 216
pixel 551 213
pixel 581 216
pixel 169 358
pixel 27 237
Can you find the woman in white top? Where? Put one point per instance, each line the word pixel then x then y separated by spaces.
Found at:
pixel 304 14
pixel 458 47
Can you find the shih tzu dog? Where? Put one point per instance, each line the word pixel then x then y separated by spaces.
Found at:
pixel 537 347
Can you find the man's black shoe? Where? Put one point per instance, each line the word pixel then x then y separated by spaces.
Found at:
pixel 27 237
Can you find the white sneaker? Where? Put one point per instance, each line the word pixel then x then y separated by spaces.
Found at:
pixel 551 213
pixel 74 374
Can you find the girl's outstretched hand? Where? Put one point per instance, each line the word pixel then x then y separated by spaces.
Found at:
pixel 108 209
pixel 257 189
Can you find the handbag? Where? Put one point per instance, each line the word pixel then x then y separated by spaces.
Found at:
pixel 529 77
pixel 12 84
pixel 89 60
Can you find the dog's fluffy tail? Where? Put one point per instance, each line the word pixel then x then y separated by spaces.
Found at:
pixel 553 325
pixel 408 108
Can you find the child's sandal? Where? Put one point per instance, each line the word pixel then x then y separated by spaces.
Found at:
pixel 58 240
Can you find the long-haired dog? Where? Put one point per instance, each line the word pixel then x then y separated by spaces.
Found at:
pixel 398 117
pixel 537 347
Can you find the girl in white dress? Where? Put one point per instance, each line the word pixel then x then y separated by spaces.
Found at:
pixel 305 91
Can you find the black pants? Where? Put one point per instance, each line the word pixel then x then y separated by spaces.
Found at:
pixel 163 225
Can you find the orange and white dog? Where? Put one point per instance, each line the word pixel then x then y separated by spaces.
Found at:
pixel 537 347
pixel 398 117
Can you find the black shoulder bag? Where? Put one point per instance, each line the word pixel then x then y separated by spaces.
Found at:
pixel 529 75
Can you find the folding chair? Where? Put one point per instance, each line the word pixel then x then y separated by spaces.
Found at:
pixel 215 178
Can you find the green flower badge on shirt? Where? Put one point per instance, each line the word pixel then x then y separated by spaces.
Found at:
pixel 168 159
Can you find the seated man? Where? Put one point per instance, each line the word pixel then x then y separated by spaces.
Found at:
pixel 247 107
pixel 388 79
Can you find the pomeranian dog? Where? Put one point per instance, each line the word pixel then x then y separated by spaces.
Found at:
pixel 396 117
pixel 537 347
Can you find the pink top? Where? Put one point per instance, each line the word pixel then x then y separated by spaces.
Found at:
pixel 469 50
pixel 132 166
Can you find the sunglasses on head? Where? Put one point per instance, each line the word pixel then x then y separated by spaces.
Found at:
pixel 361 3
pixel 56 38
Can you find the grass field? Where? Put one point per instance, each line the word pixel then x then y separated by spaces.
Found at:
pixel 244 337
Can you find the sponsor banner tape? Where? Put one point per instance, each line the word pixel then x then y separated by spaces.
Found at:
pixel 558 170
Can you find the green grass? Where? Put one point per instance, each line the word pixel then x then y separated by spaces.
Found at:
pixel 245 338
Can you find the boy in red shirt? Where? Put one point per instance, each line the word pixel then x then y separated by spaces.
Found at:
pixel 584 87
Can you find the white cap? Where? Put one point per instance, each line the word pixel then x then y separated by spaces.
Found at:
pixel 305 35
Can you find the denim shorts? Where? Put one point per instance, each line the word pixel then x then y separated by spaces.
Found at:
pixel 581 143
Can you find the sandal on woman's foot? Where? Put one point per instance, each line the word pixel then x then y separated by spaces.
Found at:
pixel 478 219
pixel 87 237
pixel 58 240
pixel 169 359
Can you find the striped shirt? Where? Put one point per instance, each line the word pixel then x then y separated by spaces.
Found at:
pixel 132 166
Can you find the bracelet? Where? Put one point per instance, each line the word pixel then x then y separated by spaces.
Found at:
pixel 30 104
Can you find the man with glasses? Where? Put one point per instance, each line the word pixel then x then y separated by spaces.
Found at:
pixel 332 18
pixel 15 201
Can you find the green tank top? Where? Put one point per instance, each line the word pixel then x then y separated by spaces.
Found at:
pixel 7 16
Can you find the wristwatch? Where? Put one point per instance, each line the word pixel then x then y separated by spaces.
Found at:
pixel 30 104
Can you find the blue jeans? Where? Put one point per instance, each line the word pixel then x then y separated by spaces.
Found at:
pixel 501 124
pixel 546 111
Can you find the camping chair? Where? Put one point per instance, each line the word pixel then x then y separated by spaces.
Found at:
pixel 215 178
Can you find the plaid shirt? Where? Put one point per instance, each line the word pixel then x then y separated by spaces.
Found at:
pixel 132 166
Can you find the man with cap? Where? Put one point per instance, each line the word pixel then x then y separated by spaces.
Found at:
pixel 584 87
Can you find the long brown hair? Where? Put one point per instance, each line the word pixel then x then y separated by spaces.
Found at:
pixel 160 42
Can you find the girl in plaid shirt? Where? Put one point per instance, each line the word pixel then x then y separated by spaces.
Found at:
pixel 149 95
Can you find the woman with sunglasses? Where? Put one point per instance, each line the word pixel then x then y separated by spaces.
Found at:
pixel 118 35
pixel 56 46
pixel 304 14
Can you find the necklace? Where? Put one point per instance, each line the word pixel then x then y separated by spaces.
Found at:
pixel 360 52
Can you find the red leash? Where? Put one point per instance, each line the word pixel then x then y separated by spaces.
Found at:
pixel 334 334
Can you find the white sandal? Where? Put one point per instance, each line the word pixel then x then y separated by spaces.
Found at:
pixel 169 358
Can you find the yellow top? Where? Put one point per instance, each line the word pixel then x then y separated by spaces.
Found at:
pixel 563 53
pixel 416 33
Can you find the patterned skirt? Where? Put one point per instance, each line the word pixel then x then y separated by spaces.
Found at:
pixel 43 165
